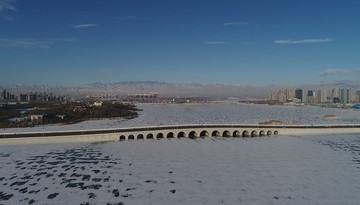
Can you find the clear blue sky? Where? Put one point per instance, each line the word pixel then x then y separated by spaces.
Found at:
pixel 239 42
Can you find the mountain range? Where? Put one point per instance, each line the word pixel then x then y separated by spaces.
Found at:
pixel 166 89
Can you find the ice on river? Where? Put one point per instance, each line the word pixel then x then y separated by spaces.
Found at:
pixel 212 113
pixel 267 170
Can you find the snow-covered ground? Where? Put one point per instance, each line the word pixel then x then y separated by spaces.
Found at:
pixel 267 170
pixel 234 113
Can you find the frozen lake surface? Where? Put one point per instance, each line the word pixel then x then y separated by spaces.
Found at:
pixel 216 113
pixel 267 170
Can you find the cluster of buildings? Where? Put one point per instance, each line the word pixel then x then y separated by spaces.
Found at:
pixel 28 97
pixel 152 95
pixel 335 95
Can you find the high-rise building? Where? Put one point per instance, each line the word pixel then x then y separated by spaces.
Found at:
pixel 335 95
pixel 305 97
pixel 272 96
pixel 32 97
pixel 23 97
pixel 320 96
pixel 357 96
pixel 311 93
pixel 281 96
pixel 311 96
pixel 335 92
pixel 290 94
pixel 299 94
pixel 4 94
pixel 349 95
pixel 345 95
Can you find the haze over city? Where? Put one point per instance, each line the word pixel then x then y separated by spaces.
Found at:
pixel 255 43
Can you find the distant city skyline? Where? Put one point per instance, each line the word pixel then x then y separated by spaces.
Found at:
pixel 247 42
pixel 320 96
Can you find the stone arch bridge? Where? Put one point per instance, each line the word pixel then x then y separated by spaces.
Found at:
pixel 195 131
pixel 176 131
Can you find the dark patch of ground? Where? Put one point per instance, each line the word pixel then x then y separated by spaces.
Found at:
pixel 51 196
pixel 18 183
pixel 5 196
pixel 116 192
pixel 92 196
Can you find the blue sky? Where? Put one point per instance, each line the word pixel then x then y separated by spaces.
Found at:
pixel 253 42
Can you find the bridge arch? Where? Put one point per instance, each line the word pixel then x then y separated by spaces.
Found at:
pixel 215 133
pixel 150 136
pixel 140 137
pixel 159 135
pixel 131 137
pixel 181 135
pixel 193 132
pixel 170 135
pixel 236 133
pixel 192 135
pixel 226 133
pixel 204 133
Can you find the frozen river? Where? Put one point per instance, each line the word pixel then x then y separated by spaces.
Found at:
pixel 322 169
pixel 217 113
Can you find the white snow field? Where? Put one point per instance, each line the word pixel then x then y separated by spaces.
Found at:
pixel 267 170
pixel 323 169
pixel 211 113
